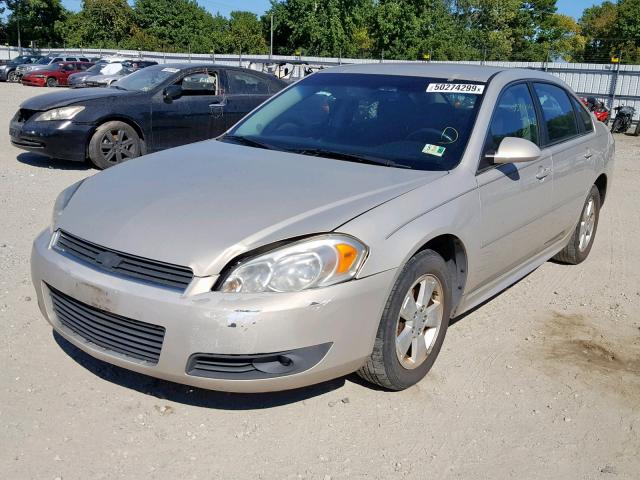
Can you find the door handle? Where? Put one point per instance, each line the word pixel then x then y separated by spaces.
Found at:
pixel 543 172
pixel 588 155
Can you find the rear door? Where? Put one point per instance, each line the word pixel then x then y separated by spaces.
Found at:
pixel 516 198
pixel 187 119
pixel 573 156
pixel 245 91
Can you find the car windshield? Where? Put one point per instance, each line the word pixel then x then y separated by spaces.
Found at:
pixel 44 61
pixel 146 79
pixel 400 121
pixel 95 69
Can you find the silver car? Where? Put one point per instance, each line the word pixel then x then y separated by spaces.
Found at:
pixel 337 228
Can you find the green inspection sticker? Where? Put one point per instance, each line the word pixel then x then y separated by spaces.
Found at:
pixel 436 150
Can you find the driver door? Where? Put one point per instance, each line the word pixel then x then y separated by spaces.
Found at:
pixel 516 198
pixel 189 118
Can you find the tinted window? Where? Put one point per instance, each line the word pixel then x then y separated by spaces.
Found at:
pixel 583 116
pixel 514 116
pixel 415 122
pixel 201 83
pixel 557 112
pixel 242 83
pixel 57 59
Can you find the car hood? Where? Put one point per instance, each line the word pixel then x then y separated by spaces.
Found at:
pixel 67 97
pixel 203 204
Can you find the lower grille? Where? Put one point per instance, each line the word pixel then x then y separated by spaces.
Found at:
pixel 124 264
pixel 125 336
pixel 251 367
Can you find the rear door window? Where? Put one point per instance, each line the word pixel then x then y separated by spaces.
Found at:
pixel 584 117
pixel 243 83
pixel 557 112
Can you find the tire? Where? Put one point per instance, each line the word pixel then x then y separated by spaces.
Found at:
pixel 13 77
pixel 617 125
pixel 637 130
pixel 103 147
pixel 576 252
pixel 52 82
pixel 388 367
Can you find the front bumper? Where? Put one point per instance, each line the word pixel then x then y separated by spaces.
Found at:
pixel 345 316
pixel 34 82
pixel 63 139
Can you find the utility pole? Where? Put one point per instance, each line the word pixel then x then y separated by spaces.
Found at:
pixel 271 44
pixel 18 24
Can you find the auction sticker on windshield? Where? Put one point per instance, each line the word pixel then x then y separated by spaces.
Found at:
pixel 473 88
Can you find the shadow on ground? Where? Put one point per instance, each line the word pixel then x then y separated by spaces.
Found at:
pixel 185 394
pixel 41 161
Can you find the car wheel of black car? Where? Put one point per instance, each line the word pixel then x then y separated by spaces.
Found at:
pixel 13 77
pixel 413 325
pixel 637 132
pixel 579 246
pixel 113 143
pixel 52 82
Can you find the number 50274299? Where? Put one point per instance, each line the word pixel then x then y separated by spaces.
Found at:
pixel 472 88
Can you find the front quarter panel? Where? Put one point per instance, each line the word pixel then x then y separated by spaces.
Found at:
pixel 396 230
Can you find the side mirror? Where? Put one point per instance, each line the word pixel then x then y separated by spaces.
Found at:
pixel 172 92
pixel 515 150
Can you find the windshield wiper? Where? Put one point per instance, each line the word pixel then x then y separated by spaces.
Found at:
pixel 350 157
pixel 247 141
pixel 119 87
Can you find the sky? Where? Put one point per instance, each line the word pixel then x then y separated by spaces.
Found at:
pixel 572 8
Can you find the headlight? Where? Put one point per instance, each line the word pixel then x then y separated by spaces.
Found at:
pixel 311 263
pixel 64 113
pixel 62 201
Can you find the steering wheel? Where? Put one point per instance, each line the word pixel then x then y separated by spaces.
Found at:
pixel 433 131
pixel 290 122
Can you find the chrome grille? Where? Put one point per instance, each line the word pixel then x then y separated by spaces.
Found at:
pixel 139 340
pixel 123 264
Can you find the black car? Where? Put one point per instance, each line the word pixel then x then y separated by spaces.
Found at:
pixel 7 71
pixel 152 109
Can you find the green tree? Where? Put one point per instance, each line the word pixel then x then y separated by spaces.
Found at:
pixel 180 25
pixel 37 19
pixel 611 29
pixel 244 34
pixel 100 24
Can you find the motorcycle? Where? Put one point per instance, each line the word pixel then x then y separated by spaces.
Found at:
pixel 622 122
pixel 597 108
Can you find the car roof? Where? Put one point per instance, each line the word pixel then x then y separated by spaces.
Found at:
pixel 450 71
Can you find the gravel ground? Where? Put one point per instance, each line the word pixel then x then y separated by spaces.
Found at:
pixel 541 382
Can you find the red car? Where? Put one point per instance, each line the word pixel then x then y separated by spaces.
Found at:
pixel 54 74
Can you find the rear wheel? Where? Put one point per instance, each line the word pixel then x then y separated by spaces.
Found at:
pixel 617 125
pixel 637 131
pixel 413 324
pixel 579 246
pixel 113 143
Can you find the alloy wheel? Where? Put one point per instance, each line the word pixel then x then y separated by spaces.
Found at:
pixel 587 224
pixel 116 146
pixel 419 321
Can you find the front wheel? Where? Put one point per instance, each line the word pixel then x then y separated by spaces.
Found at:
pixel 13 77
pixel 52 82
pixel 413 324
pixel 579 246
pixel 637 131
pixel 617 125
pixel 114 143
